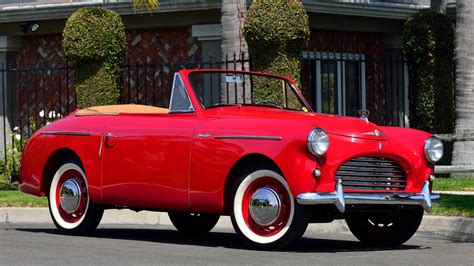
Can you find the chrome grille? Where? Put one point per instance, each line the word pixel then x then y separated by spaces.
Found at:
pixel 370 173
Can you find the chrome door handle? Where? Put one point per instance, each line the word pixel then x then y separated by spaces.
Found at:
pixel 203 136
pixel 108 138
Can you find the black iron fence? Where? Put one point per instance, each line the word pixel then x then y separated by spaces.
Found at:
pixel 32 97
pixel 343 83
pixel 150 84
pixel 338 83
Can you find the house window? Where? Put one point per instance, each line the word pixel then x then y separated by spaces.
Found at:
pixel 338 82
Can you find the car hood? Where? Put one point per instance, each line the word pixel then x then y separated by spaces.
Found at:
pixel 332 124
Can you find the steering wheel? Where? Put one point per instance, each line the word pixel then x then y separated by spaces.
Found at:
pixel 267 102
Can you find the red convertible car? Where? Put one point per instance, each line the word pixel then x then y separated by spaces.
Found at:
pixel 243 144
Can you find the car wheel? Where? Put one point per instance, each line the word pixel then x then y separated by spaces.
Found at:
pixel 263 211
pixel 70 207
pixel 385 229
pixel 193 223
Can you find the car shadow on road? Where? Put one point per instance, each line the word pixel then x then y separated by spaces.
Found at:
pixel 222 239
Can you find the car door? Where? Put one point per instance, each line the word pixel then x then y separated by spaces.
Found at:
pixel 146 156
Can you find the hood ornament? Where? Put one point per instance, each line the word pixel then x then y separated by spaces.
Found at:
pixel 364 115
pixel 374 133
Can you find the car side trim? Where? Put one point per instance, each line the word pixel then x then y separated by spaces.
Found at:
pixel 249 137
pixel 69 133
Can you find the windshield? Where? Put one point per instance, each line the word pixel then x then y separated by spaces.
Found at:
pixel 216 89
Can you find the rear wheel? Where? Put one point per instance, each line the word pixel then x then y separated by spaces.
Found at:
pixel 263 211
pixel 193 223
pixel 70 207
pixel 385 229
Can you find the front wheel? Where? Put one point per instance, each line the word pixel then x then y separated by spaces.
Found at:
pixel 70 207
pixel 385 229
pixel 193 223
pixel 263 211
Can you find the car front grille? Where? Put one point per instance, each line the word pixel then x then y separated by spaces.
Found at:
pixel 371 173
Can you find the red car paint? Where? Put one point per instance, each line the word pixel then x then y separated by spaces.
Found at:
pixel 157 161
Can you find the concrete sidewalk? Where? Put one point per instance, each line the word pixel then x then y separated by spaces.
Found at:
pixel 452 228
pixel 464 193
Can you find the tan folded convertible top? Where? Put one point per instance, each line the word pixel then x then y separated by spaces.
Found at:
pixel 121 109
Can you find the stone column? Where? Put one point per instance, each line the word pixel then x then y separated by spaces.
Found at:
pixel 210 37
pixel 9 47
pixel 438 6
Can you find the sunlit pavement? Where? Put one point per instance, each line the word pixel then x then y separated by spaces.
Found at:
pixel 145 244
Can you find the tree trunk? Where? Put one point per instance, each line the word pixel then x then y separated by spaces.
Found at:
pixel 438 6
pixel 233 13
pixel 234 46
pixel 463 153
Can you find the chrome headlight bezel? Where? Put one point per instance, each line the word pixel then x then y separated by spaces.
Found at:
pixel 433 149
pixel 318 142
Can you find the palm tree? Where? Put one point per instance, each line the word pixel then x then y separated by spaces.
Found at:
pixel 463 153
pixel 233 13
pixel 151 4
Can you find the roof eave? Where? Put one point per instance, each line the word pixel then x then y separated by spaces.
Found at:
pixel 40 12
pixel 375 10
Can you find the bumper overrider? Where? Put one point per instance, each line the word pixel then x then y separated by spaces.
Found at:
pixel 340 199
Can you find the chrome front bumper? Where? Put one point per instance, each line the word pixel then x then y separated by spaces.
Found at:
pixel 340 199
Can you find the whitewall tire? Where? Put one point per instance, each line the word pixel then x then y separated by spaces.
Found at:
pixel 69 204
pixel 264 213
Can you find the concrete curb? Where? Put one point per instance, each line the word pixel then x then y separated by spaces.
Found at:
pixel 453 228
pixel 463 193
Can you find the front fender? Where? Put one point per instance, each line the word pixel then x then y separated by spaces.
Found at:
pixel 215 156
pixel 40 149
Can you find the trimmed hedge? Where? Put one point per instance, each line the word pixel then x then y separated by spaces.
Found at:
pixel 94 39
pixel 428 44
pixel 276 31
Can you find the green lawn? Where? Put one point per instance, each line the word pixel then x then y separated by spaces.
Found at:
pixel 15 198
pixel 453 184
pixel 455 205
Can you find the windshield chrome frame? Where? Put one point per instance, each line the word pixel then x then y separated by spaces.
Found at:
pixel 293 87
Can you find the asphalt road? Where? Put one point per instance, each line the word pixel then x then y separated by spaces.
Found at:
pixel 22 244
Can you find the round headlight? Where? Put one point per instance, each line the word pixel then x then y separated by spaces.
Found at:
pixel 318 142
pixel 433 149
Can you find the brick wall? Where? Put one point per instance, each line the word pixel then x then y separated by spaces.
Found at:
pixel 146 83
pixel 52 88
pixel 151 46
pixel 345 41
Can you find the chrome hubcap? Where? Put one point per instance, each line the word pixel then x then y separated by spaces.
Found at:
pixel 264 206
pixel 70 196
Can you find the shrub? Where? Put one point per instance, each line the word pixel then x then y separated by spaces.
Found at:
pixel 11 166
pixel 428 44
pixel 14 150
pixel 94 39
pixel 276 31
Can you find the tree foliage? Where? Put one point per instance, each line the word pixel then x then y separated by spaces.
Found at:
pixel 276 31
pixel 428 45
